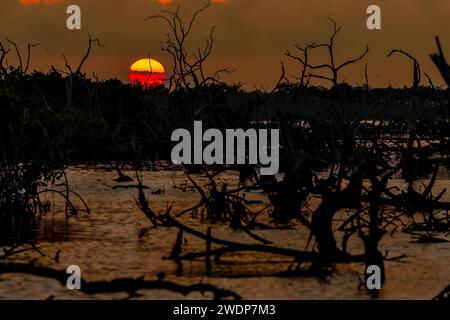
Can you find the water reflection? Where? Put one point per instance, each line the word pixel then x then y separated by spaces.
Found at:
pixel 115 241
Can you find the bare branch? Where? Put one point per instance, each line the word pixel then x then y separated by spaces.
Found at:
pixel 30 45
pixel 430 82
pixel 416 66
pixel 67 64
pixel 354 60
pixel 188 66
pixel 97 41
pixel 4 52
pixel 366 76
pixel 330 66
pixel 128 285
pixel 194 17
pixel 18 53
pixel 441 63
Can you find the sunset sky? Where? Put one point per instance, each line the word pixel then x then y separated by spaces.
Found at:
pixel 251 35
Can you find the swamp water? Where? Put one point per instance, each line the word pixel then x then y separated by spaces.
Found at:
pixel 115 241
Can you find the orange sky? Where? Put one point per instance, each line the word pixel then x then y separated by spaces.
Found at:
pixel 32 2
pixel 251 35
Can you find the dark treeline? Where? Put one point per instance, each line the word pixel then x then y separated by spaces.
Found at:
pixel 362 138
pixel 76 118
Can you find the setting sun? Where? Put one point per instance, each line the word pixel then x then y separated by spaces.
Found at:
pixel 147 72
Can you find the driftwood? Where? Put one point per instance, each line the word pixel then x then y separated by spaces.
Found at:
pixel 128 285
pixel 19 248
pixel 231 246
pixel 427 238
pixel 228 246
pixel 130 186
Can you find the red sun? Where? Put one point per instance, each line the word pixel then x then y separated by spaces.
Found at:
pixel 147 73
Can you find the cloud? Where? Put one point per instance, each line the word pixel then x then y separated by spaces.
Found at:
pixel 35 2
pixel 166 2
pixel 162 2
pixel 253 44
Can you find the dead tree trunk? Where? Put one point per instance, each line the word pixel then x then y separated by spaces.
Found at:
pixel 322 220
pixel 441 63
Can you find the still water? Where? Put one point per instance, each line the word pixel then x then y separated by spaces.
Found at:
pixel 115 241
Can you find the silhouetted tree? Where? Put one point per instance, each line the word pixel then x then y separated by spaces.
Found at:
pixel 441 63
pixel 332 67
